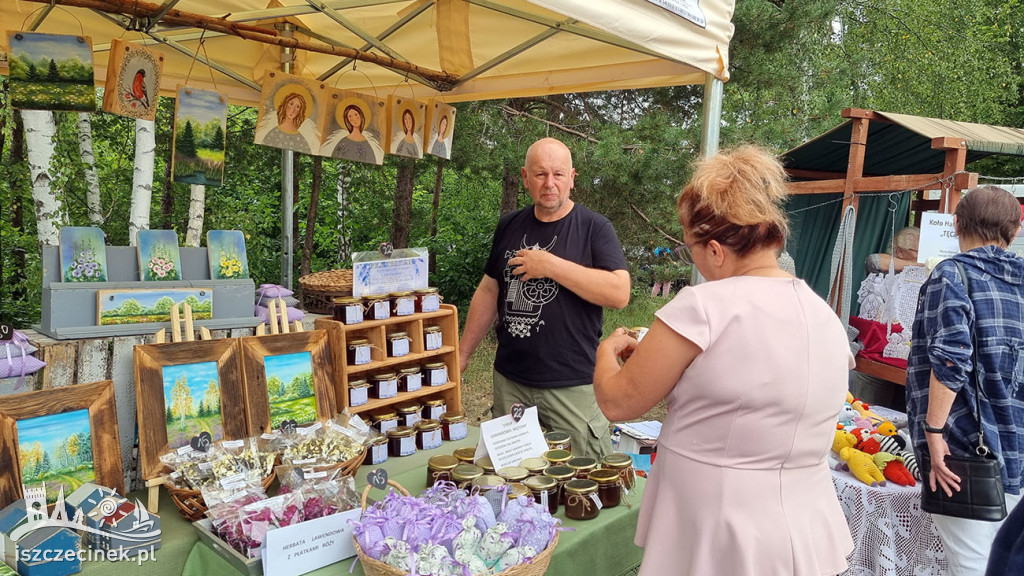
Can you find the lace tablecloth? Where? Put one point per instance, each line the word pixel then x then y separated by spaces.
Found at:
pixel 892 536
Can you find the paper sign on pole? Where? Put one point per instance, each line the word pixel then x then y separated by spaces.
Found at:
pixel 508 442
pixel 306 546
pixel 938 238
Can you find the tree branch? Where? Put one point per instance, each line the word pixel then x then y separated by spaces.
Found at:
pixel 644 217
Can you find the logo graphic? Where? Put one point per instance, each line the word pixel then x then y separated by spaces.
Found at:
pixel 112 518
pixel 524 301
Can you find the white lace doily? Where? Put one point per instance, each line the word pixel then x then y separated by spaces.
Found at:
pixel 892 536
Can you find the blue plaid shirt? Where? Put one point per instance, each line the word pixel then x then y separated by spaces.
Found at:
pixel 942 343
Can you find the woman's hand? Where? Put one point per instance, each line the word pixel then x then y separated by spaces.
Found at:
pixel 940 476
pixel 620 344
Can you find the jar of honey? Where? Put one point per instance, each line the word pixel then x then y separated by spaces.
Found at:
pixel 398 344
pixel 581 501
pixel 466 454
pixel 558 441
pixel 432 339
pixel 358 351
pixel 487 482
pixel 513 473
pixel 402 303
pixel 455 427
pixel 440 468
pixel 434 408
pixel 557 456
pixel 544 490
pixel 437 373
pixel 464 473
pixel 622 464
pixel 408 413
pixel 358 392
pixel 410 379
pixel 401 441
pixel 516 489
pixel 384 419
pixel 384 385
pixel 534 466
pixel 377 451
pixel 583 465
pixel 428 434
pixel 609 486
pixel 486 464
pixel 347 309
pixel 377 306
pixel 560 474
pixel 427 299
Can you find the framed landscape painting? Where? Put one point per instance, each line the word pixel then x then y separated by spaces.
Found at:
pixel 228 260
pixel 287 377
pixel 59 437
pixel 183 389
pixel 51 72
pixel 159 257
pixel 83 254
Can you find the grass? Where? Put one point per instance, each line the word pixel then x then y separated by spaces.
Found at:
pixel 478 379
pixel 179 435
pixel 302 410
pixel 70 479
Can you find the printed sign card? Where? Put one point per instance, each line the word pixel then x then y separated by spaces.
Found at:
pixel 938 238
pixel 509 442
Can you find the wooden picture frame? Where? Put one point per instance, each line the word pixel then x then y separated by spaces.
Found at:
pixel 255 351
pixel 96 397
pixel 152 409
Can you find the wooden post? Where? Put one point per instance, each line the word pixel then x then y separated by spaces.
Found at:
pixel 956 160
pixel 854 171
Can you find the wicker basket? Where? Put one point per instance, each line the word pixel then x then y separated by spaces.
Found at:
pixel 371 567
pixel 190 503
pixel 317 289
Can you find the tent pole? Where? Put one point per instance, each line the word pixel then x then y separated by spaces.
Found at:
pixel 710 127
pixel 287 182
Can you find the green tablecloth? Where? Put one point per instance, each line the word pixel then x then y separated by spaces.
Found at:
pixel 599 547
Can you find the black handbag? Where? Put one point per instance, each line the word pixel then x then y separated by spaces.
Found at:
pixel 981 495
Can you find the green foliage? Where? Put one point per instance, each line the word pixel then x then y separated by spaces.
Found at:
pixel 186 143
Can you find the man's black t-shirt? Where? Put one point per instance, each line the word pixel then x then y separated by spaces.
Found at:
pixel 547 335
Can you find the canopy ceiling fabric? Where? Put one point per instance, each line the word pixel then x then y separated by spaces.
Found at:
pixel 904 146
pixel 498 48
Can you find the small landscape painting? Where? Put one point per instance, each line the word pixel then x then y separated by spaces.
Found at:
pixel 83 254
pixel 159 257
pixel 228 260
pixel 143 305
pixel 200 121
pixel 51 72
pixel 290 388
pixel 191 402
pixel 56 450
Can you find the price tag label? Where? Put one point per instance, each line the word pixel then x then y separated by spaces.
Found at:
pixel 386 249
pixel 201 442
pixel 6 331
pixel 377 478
pixel 288 427
pixel 517 411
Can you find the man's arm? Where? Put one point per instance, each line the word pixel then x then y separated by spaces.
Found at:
pixel 483 309
pixel 608 288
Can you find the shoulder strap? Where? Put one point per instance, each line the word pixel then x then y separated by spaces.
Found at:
pixel 973 378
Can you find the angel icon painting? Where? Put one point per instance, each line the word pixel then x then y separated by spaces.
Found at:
pixel 288 113
pixel 352 127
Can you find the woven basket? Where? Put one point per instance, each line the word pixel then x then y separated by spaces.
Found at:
pixel 190 503
pixel 371 567
pixel 317 289
pixel 348 467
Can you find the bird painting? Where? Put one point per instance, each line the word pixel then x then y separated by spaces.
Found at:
pixel 136 73
pixel 138 92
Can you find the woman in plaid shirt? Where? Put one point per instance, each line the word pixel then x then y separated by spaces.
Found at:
pixel 939 403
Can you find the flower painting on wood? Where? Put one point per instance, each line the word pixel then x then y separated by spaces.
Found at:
pixel 83 254
pixel 228 260
pixel 159 258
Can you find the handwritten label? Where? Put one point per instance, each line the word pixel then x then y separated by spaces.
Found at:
pixel 6 331
pixel 377 478
pixel 288 427
pixel 201 442
pixel 517 412
pixel 309 545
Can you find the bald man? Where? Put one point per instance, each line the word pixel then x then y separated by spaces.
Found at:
pixel 553 267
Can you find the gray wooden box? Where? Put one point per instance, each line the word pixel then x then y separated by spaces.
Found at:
pixel 69 308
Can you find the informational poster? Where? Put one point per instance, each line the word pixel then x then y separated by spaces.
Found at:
pixel 508 442
pixel 403 269
pixel 938 238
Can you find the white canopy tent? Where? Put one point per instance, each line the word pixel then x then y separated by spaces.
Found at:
pixel 456 50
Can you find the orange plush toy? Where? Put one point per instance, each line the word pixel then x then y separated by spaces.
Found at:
pixel 893 469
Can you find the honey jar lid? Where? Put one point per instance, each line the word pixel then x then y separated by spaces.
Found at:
pixel 465 454
pixel 400 432
pixel 400 294
pixel 582 462
pixel 515 490
pixel 454 418
pixel 408 408
pixel 358 342
pixel 431 328
pixel 434 365
pixel 358 383
pixel 427 290
pixel 374 297
pixel 434 402
pixel 384 376
pixel 464 472
pixel 397 335
pixel 427 425
pixel 559 472
pixel 534 464
pixel 540 482
pixel 557 455
pixel 409 370
pixel 488 481
pixel 442 462
pixel 616 460
pixel 581 487
pixel 486 464
pixel 513 473
pixel 345 300
pixel 604 476
pixel 384 414
pixel 556 437
pixel 379 440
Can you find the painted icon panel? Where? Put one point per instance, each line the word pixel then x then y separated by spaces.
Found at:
pixel 406 126
pixel 290 107
pixel 441 119
pixel 353 127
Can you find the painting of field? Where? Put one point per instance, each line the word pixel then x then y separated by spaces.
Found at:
pixel 290 388
pixel 200 119
pixel 56 450
pixel 191 402
pixel 51 72
pixel 142 305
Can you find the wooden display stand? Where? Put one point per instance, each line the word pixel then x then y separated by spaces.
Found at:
pixel 376 331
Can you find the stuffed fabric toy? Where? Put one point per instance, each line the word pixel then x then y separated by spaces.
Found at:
pixel 869 445
pixel 886 428
pixel 892 444
pixel 893 469
pixel 842 440
pixel 910 461
pixel 862 466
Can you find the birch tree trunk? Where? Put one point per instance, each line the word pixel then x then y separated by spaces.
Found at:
pixel 40 129
pixel 92 180
pixel 344 239
pixel 196 207
pixel 142 179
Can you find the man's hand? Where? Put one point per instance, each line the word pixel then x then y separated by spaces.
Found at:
pixel 530 264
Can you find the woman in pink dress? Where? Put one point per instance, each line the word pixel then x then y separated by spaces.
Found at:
pixel 753 366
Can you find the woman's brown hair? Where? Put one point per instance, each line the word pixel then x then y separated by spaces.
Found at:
pixel 736 197
pixel 282 111
pixel 989 214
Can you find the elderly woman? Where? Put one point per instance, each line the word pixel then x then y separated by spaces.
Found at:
pixel 753 366
pixel 940 403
